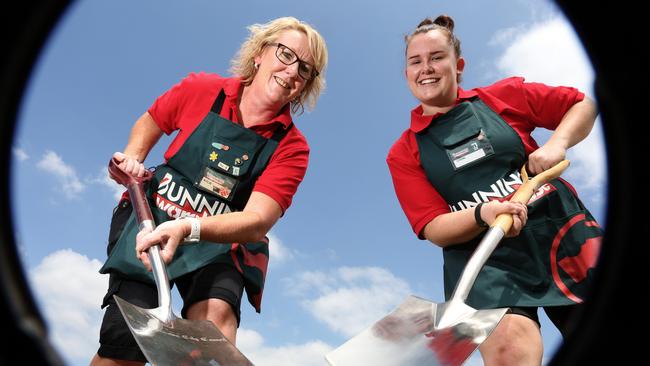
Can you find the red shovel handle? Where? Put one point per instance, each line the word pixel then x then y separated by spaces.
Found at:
pixel 123 177
pixel 135 185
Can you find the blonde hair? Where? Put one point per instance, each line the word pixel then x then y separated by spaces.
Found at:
pixel 243 64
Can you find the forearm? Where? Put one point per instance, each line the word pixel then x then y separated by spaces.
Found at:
pixel 144 135
pixel 461 226
pixel 234 227
pixel 250 225
pixel 575 125
pixel 452 228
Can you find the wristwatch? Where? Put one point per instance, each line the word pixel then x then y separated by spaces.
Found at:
pixel 195 233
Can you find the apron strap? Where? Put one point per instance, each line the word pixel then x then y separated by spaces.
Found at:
pixel 218 102
pixel 281 132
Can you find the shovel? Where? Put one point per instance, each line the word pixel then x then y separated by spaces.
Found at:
pixel 164 338
pixel 421 332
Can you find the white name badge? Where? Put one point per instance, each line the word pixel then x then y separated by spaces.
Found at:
pixel 470 157
pixel 471 151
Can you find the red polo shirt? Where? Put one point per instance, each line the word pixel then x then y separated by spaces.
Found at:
pixel 524 106
pixel 183 107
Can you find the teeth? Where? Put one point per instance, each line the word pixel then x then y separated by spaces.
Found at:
pixel 429 81
pixel 281 82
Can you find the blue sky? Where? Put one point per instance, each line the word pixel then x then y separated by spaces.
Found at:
pixel 343 255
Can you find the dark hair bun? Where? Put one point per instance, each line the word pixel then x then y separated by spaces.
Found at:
pixel 445 21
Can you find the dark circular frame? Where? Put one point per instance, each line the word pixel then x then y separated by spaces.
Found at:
pixel 610 33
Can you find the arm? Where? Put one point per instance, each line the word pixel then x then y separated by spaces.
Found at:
pixel 250 225
pixel 144 135
pixel 460 226
pixel 427 211
pixel 573 128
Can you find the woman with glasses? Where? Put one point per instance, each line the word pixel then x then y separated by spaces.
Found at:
pixel 228 176
pixel 456 165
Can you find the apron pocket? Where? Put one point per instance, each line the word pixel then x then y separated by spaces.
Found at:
pixel 120 217
pixel 122 257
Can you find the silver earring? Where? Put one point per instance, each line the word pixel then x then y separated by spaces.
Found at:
pixel 257 66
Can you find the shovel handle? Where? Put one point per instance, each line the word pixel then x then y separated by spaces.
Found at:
pixel 527 189
pixel 500 227
pixel 135 186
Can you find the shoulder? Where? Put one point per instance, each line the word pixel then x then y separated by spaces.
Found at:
pixel 504 86
pixel 518 85
pixel 201 80
pixel 402 147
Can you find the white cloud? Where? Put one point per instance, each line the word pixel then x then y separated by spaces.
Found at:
pixel 311 353
pixel 550 52
pixel 69 290
pixel 278 251
pixel 52 163
pixel 505 36
pixel 349 299
pixel 20 154
pixel 588 161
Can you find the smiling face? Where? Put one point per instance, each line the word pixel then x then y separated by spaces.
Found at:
pixel 433 70
pixel 275 82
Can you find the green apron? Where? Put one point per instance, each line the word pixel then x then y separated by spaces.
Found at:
pixel 471 155
pixel 214 172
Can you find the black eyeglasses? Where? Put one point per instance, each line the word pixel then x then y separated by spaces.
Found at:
pixel 287 56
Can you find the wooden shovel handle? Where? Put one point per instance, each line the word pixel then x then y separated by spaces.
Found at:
pixel 527 189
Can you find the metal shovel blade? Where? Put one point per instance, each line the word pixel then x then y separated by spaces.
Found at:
pixel 179 342
pixel 408 336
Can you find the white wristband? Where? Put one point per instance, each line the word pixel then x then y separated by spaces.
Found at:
pixel 195 233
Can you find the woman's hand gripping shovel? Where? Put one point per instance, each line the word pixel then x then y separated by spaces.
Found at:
pixel 421 332
pixel 164 338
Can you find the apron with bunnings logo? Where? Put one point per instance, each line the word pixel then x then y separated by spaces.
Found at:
pixel 212 173
pixel 471 155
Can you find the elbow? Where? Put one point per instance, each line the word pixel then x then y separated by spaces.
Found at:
pixel 257 235
pixel 258 230
pixel 590 108
pixel 438 240
pixel 438 233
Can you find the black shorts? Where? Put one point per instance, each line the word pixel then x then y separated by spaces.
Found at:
pixel 563 317
pixel 218 280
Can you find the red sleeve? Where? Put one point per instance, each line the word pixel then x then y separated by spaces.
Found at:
pixel 184 106
pixel 540 97
pixel 168 108
pixel 286 169
pixel 419 200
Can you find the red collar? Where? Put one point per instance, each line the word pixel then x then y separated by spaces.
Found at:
pixel 420 121
pixel 232 87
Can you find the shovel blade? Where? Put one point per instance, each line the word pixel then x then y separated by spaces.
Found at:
pixel 179 342
pixel 408 337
